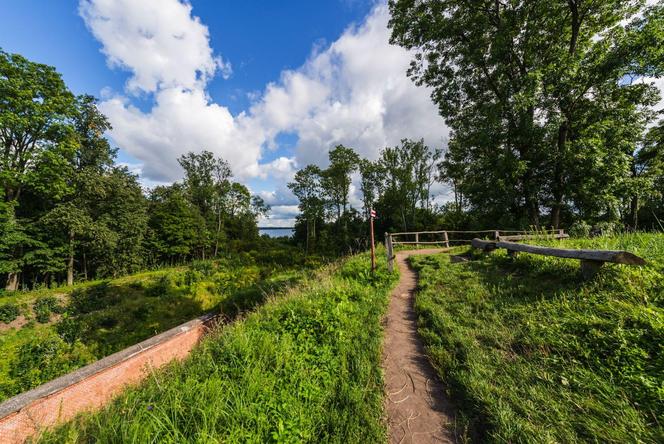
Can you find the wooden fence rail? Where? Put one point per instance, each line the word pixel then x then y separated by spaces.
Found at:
pixel 445 239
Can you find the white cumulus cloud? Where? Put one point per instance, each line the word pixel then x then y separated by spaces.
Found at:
pixel 354 91
pixel 159 41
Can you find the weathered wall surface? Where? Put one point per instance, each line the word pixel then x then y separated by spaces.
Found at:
pixel 93 386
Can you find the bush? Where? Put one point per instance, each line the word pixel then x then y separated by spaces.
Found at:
pixel 141 313
pixel 8 312
pixel 580 229
pixel 70 329
pixel 46 305
pixel 192 277
pixel 46 357
pixel 97 297
pixel 161 287
pixel 205 268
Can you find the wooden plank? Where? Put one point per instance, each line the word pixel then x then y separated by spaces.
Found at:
pixel 390 253
pixel 590 268
pixel 614 256
pixel 420 243
pixel 483 245
pixel 405 233
pixel 534 236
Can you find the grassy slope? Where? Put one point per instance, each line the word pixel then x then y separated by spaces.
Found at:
pixel 107 316
pixel 302 368
pixel 534 354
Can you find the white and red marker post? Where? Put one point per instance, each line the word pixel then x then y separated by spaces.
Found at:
pixel 372 216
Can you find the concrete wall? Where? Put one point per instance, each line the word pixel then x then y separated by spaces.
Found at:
pixel 93 386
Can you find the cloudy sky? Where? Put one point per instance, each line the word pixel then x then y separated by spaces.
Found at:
pixel 269 86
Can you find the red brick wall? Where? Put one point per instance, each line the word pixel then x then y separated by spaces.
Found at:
pixel 93 386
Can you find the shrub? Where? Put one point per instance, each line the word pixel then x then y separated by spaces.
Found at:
pixel 192 277
pixel 97 297
pixel 46 305
pixel 205 268
pixel 580 229
pixel 46 357
pixel 161 287
pixel 70 329
pixel 8 312
pixel 141 313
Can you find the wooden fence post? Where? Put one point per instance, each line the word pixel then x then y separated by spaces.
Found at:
pixel 497 235
pixel 417 241
pixel 446 239
pixel 388 247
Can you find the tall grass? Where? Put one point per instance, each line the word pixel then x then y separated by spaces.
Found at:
pixel 303 368
pixel 59 332
pixel 533 353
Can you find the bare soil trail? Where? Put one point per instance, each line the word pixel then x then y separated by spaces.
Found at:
pixel 417 408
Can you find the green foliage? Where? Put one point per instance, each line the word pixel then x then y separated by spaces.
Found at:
pixel 92 298
pixel 44 306
pixel 104 317
pixel 67 211
pixel 303 368
pixel 8 312
pixel 398 185
pixel 546 119
pixel 44 358
pixel 531 352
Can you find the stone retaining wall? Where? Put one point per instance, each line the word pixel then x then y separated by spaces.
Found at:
pixel 93 386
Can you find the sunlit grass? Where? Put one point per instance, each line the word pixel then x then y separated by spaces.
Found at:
pixel 533 353
pixel 305 367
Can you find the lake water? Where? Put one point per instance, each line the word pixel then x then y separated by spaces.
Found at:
pixel 276 232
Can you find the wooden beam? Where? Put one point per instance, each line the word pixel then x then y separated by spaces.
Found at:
pixel 390 252
pixel 534 236
pixel 590 268
pixel 614 256
pixel 486 246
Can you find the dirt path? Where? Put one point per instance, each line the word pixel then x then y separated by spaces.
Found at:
pixel 417 408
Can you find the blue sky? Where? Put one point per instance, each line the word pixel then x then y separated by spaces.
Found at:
pixel 269 86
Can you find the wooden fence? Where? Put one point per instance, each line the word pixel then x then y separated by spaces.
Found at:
pixel 591 260
pixel 447 238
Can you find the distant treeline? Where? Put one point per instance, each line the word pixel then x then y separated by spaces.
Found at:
pixel 68 211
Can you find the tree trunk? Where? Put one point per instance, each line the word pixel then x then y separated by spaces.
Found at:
pixel 634 213
pixel 12 282
pixel 70 262
pixel 308 235
pixel 216 240
pixel 85 267
pixel 558 180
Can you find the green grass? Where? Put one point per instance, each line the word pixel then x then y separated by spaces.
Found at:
pixel 69 328
pixel 304 367
pixel 530 352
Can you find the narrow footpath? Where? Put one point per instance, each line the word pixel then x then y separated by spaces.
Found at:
pixel 417 408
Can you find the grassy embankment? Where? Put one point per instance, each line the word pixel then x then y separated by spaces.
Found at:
pixel 48 333
pixel 304 367
pixel 532 353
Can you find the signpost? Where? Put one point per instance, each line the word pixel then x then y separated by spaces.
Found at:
pixel 372 216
